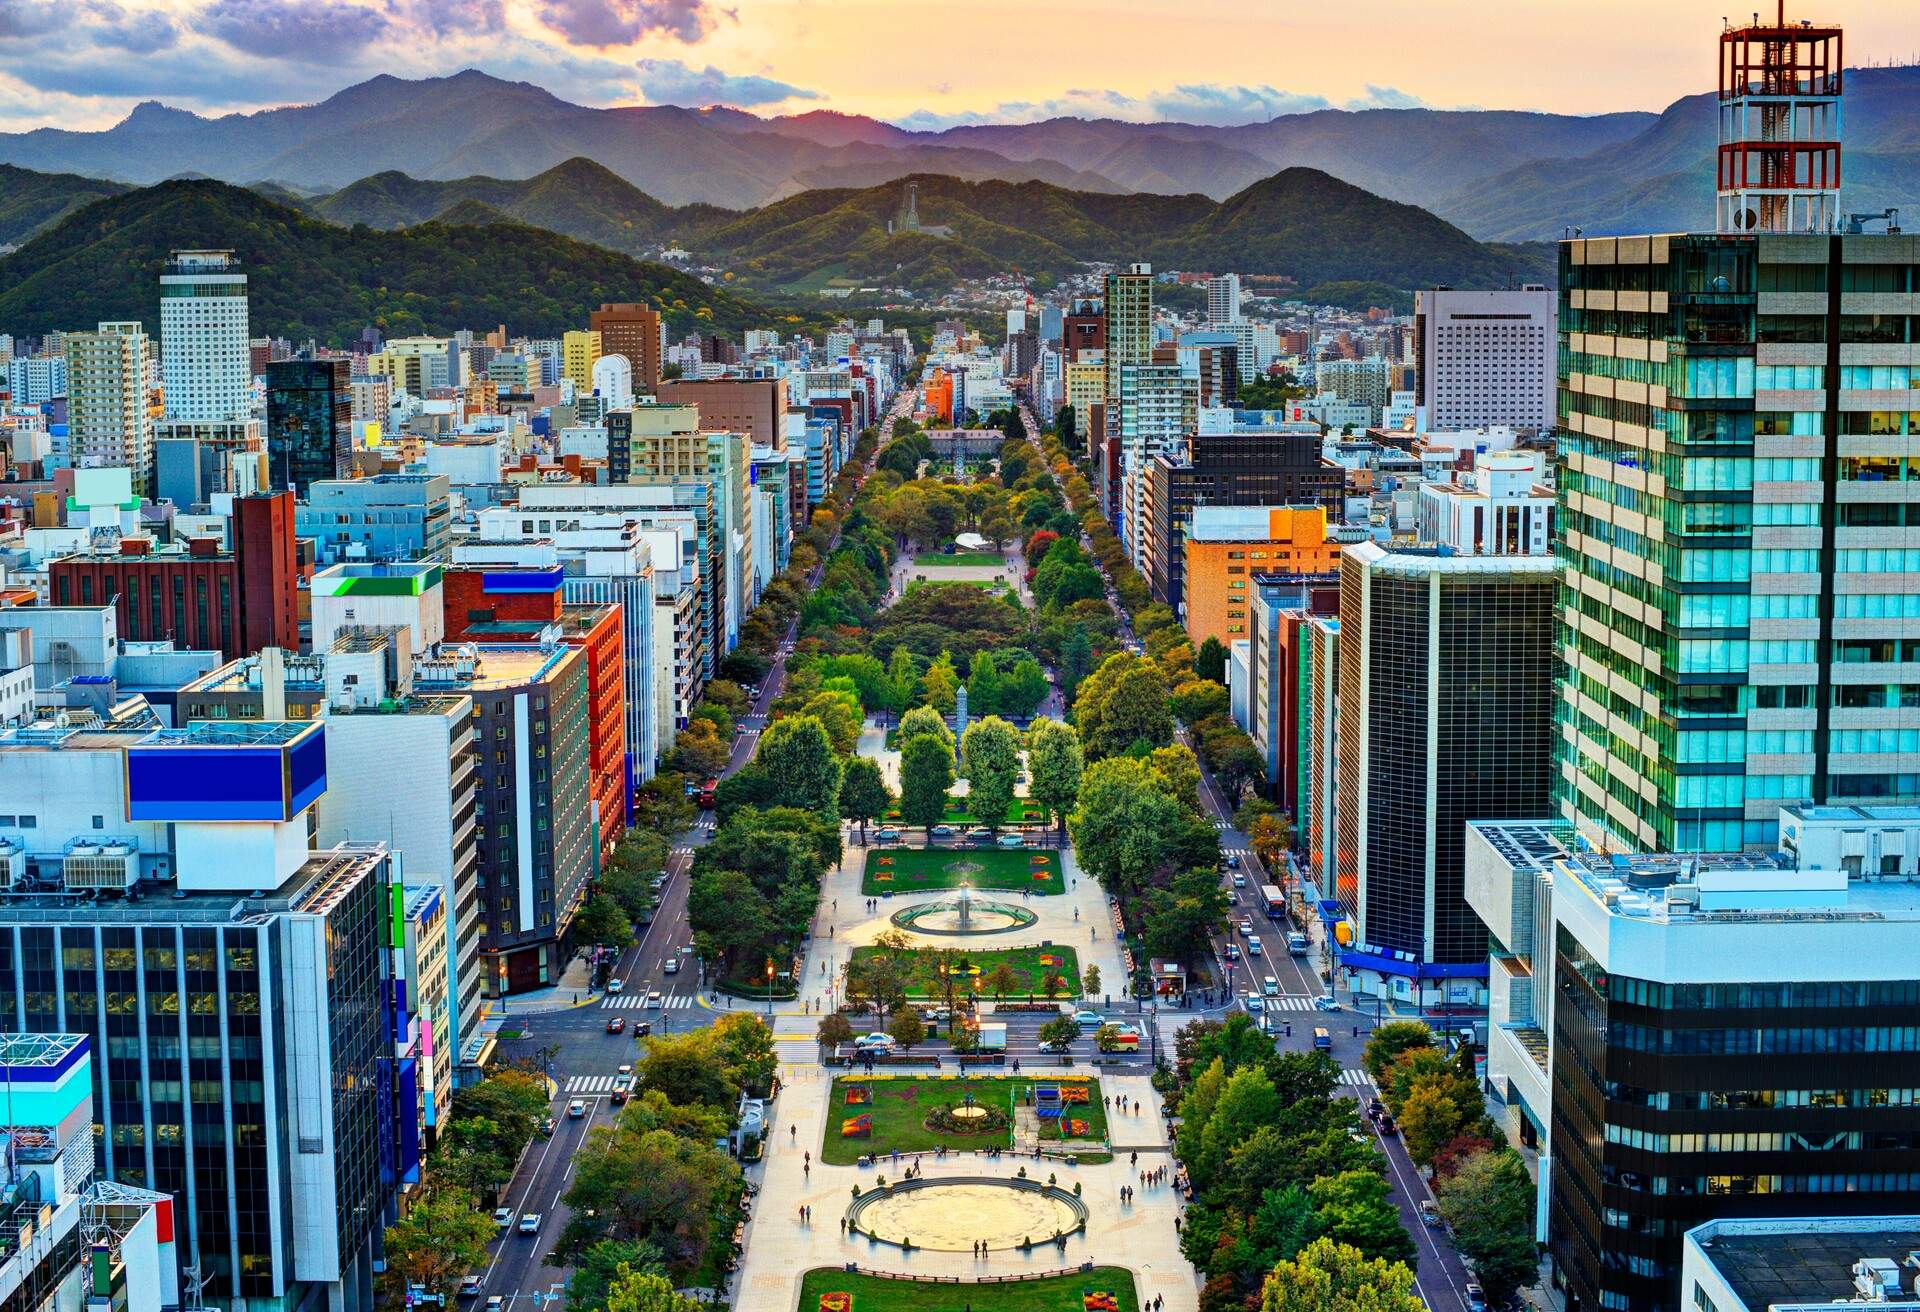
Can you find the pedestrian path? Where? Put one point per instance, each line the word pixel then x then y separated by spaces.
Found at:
pixel 1358 1077
pixel 1290 1002
pixel 590 1084
pixel 636 1001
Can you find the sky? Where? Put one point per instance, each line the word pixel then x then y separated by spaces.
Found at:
pixel 922 63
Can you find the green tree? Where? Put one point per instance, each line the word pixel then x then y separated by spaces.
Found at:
pixel 907 1028
pixel 1329 1276
pixel 983 686
pixel 601 1265
pixel 647 1185
pixel 729 909
pixel 923 722
pixel 903 679
pixel 1090 981
pixel 1197 699
pixel 1429 1120
pixel 1024 688
pixel 1387 1042
pixel 442 1237
pixel 1122 703
pixel 942 684
pixel 926 773
pixel 743 1044
pixel 990 759
pixel 1059 1031
pixel 647 1291
pixel 686 1069
pixel 602 923
pixel 1357 1208
pixel 1489 1202
pixel 1210 662
pixel 1121 823
pixel 1076 660
pixel 864 794
pixel 839 714
pixel 798 755
pixel 1177 768
pixel 834 1029
pixel 1054 766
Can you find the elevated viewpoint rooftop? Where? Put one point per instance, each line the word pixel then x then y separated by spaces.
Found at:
pixel 1799 1263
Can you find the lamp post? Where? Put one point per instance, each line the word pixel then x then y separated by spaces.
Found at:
pixel 769 989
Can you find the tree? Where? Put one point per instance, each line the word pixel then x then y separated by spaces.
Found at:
pixel 797 754
pixel 1329 1276
pixel 1053 984
pixel 990 758
pixel 839 714
pixel 442 1237
pixel 907 1028
pixel 1210 662
pixel 1489 1202
pixel 1357 1208
pixel 1076 660
pixel 602 924
pixel 1122 703
pixel 1180 772
pixel 649 1185
pixel 923 722
pixel 1024 688
pixel 1120 824
pixel 926 773
pixel 1000 981
pixel 743 1044
pixel 730 910
pixel 834 1030
pixel 1058 1032
pixel 686 1069
pixel 1054 765
pixel 699 750
pixel 903 678
pixel 942 684
pixel 864 794
pixel 1429 1120
pixel 1270 836
pixel 604 1263
pixel 1090 981
pixel 1197 699
pixel 983 686
pixel 1387 1042
pixel 1063 425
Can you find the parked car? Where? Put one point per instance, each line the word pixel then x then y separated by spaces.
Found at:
pixel 1476 1298
pixel 942 831
pixel 576 1109
pixel 1012 840
pixel 1386 1126
pixel 503 1216
pixel 616 1024
pixel 979 836
pixel 1430 1211
pixel 1233 952
pixel 470 1287
pixel 530 1223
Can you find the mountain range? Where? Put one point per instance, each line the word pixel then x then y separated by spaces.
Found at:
pixel 1498 175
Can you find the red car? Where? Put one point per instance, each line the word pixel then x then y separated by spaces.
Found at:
pixel 616 1024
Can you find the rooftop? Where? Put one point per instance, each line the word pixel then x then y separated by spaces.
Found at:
pixel 313 887
pixel 1795 1262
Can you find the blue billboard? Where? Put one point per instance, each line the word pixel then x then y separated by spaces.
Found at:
pixel 262 772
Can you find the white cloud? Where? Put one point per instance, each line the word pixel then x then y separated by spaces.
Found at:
pixel 1208 104
pixel 671 82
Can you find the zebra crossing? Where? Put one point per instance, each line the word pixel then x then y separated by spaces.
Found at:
pixel 637 1001
pixel 1352 1075
pixel 1290 1002
pixel 577 1084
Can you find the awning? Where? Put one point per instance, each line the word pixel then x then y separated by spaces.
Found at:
pixel 1331 911
pixel 1386 965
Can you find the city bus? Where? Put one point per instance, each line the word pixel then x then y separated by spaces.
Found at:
pixel 706 794
pixel 1274 900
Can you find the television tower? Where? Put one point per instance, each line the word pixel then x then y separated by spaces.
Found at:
pixel 1779 127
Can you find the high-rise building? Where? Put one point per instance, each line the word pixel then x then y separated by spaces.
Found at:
pixel 107 416
pixel 1083 330
pixel 1280 681
pixel 205 366
pixel 1483 359
pixel 1446 715
pixel 1722 1037
pixel 1223 299
pixel 579 352
pixel 1156 401
pixel 33 379
pixel 753 406
pixel 1127 314
pixel 309 421
pixel 1227 546
pixel 636 332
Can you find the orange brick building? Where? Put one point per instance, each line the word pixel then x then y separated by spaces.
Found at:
pixel 1228 545
pixel 938 393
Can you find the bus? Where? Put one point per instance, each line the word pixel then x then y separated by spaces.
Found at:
pixel 706 794
pixel 1275 901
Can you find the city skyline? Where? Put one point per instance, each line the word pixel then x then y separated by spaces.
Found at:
pixel 86 69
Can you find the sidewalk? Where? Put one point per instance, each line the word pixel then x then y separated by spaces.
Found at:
pixel 570 992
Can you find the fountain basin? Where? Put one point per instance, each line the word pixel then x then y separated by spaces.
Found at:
pixel 951 1215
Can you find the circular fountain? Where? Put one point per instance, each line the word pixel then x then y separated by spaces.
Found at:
pixel 962 912
pixel 951 1214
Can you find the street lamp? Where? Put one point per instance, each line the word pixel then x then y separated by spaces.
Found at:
pixel 769 988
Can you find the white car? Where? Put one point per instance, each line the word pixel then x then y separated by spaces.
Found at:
pixel 530 1223
pixel 576 1109
pixel 673 966
pixel 503 1216
pixel 1253 1001
pixel 654 999
pixel 875 1042
pixel 1239 880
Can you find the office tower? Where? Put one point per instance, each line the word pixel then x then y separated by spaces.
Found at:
pixel 387 517
pixel 1280 681
pixel 636 332
pixel 579 353
pixel 205 365
pixel 1227 546
pixel 1318 823
pixel 1223 299
pixel 235 600
pixel 1483 358
pixel 753 406
pixel 1725 1036
pixel 107 416
pixel 1779 156
pixel 309 421
pixel 613 382
pixel 239 1007
pixel 1154 416
pixel 1127 315
pixel 1446 714
pixel 1083 330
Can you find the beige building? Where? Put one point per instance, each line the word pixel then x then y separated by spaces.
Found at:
pixel 579 352
pixel 1086 384
pixel 107 410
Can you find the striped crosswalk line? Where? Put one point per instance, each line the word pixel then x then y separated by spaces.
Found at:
pixel 637 1001
pixel 1352 1076
pixel 590 1084
pixel 1290 1002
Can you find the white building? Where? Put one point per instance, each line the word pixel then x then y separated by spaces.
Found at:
pixel 1223 299
pixel 613 382
pixel 36 378
pixel 205 368
pixel 107 416
pixel 1485 358
pixel 1810 1263
pixel 1502 509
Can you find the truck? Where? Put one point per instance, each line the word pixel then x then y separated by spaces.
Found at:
pixel 1274 900
pixel 992 1038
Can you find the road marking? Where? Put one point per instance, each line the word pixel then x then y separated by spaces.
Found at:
pixel 638 1001
pixel 1350 1075
pixel 1289 1002
pixel 590 1084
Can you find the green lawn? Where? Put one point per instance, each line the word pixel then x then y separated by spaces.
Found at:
pixel 988 585
pixel 1020 811
pixel 1053 1294
pixel 916 869
pixel 1024 962
pixel 972 559
pixel 901 1103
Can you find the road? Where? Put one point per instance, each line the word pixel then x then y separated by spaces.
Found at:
pixel 585 1055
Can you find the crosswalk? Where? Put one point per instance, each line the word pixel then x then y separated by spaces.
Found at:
pixel 1290 1002
pixel 637 1001
pixel 1352 1075
pixel 577 1084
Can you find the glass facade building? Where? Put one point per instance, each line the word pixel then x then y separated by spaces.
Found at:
pixel 1734 487
pixel 309 421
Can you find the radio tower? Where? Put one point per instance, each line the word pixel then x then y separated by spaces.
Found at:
pixel 1779 127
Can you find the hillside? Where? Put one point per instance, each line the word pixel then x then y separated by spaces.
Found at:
pixel 311 278
pixel 31 202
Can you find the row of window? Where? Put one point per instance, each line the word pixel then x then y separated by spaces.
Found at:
pixel 1763 1040
pixel 1755 1141
pixel 1732 655
pixel 1718 1100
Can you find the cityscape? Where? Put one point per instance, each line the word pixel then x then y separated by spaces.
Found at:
pixel 1231 703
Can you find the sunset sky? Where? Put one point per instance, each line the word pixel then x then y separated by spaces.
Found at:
pixel 932 63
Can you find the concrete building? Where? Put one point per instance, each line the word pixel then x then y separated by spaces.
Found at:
pixel 637 332
pixel 205 368
pixel 1155 413
pixel 1227 546
pixel 1445 716
pixel 1696 1039
pixel 390 517
pixel 35 380
pixel 1127 326
pixel 579 353
pixel 1501 508
pixel 1223 299
pixel 108 422
pixel 753 406
pixel 1280 680
pixel 1086 390
pixel 1484 358
pixel 1819 1263
pixel 1317 824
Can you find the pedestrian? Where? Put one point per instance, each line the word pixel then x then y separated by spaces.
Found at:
pixel 793 1134
pixel 1134 1160
pixel 843 1226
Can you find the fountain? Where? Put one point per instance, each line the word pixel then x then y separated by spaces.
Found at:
pixel 962 913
